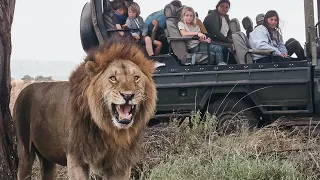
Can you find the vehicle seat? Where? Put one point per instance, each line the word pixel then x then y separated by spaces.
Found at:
pixel 247 25
pixel 234 25
pixel 177 43
pixel 234 28
pixel 241 45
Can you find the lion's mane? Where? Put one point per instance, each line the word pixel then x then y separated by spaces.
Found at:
pixel 108 148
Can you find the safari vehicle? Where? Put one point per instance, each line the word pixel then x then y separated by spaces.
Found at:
pixel 254 92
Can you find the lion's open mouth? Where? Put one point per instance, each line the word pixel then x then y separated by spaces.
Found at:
pixel 123 113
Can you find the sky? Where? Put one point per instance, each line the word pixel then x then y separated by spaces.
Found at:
pixel 49 30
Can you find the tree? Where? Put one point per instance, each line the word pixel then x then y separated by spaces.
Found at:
pixel 8 149
pixel 39 78
pixel 49 78
pixel 27 78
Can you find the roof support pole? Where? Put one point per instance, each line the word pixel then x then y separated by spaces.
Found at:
pixel 310 28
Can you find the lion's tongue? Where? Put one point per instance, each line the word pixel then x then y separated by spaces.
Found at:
pixel 124 112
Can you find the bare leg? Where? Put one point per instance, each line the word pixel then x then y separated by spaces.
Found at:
pixel 75 170
pixel 47 168
pixel 149 48
pixel 154 29
pixel 26 159
pixel 158 48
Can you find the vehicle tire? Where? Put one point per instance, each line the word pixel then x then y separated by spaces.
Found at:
pixel 233 116
pixel 87 34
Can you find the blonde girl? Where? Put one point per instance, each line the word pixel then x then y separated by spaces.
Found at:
pixel 188 27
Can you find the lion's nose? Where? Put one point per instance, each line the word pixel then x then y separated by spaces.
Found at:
pixel 127 96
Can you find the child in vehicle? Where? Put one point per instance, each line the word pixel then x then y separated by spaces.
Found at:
pixel 135 21
pixel 119 17
pixel 188 27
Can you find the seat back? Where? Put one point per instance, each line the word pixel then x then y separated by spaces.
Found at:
pixel 240 42
pixel 241 45
pixel 247 25
pixel 179 48
pixel 234 25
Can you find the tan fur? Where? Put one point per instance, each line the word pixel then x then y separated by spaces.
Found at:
pixel 71 122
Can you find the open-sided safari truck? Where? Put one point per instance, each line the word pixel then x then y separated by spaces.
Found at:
pixel 246 91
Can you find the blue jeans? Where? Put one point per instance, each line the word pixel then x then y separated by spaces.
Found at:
pixel 217 49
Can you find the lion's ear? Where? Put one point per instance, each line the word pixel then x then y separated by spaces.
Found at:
pixel 91 68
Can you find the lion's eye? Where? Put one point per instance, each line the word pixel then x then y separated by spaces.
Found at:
pixel 136 78
pixel 113 79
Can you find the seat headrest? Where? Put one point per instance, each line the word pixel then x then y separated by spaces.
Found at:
pixel 106 5
pixel 170 11
pixel 260 18
pixel 247 23
pixel 234 25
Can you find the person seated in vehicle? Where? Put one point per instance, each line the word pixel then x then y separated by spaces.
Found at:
pixel 135 21
pixel 217 24
pixel 188 27
pixel 292 45
pixel 156 22
pixel 127 3
pixel 268 37
pixel 119 18
pixel 200 24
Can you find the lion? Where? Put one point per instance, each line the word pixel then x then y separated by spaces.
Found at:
pixel 93 121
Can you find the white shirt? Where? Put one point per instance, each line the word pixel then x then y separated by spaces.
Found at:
pixel 225 27
pixel 190 43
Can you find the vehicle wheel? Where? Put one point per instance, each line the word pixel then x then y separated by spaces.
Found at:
pixel 233 116
pixel 87 34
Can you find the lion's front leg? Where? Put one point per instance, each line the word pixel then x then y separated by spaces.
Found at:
pixel 122 176
pixel 76 171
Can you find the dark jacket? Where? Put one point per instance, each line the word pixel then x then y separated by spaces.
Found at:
pixel 213 23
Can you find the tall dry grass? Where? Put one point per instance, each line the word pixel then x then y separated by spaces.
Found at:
pixel 180 152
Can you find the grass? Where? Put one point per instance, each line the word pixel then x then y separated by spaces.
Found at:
pixel 180 152
pixel 230 166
